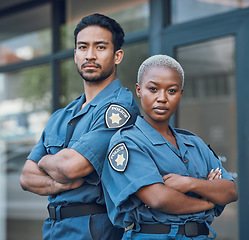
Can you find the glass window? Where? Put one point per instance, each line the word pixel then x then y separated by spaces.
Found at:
pixel 208 108
pixel 132 15
pixel 71 82
pixel 6 4
pixel 134 55
pixel 186 10
pixel 27 35
pixel 25 106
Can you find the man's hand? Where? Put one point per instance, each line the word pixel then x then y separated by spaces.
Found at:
pixel 66 165
pixel 35 180
pixel 67 186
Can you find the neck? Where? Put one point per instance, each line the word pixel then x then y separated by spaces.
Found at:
pixel 92 89
pixel 164 130
pixel 161 127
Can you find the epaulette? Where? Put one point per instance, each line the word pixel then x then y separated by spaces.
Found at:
pixel 127 127
pixel 185 132
pixel 213 151
pixel 124 98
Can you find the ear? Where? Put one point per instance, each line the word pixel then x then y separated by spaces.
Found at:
pixel 119 54
pixel 75 56
pixel 138 90
pixel 182 91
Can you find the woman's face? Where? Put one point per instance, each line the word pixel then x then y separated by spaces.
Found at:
pixel 160 91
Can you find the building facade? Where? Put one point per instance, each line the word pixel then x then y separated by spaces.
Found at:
pixel 38 75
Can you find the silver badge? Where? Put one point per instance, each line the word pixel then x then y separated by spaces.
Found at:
pixel 116 116
pixel 118 157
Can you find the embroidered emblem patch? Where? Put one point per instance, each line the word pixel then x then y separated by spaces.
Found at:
pixel 118 157
pixel 116 116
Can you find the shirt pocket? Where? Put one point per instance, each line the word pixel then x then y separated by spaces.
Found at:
pixel 199 171
pixel 53 144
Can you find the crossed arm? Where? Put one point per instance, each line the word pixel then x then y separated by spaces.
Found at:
pixel 170 197
pixel 55 173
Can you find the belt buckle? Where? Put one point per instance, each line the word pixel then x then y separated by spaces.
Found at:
pixel 52 212
pixel 191 229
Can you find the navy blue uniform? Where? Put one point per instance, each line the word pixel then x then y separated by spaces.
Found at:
pixel 139 156
pixel 88 131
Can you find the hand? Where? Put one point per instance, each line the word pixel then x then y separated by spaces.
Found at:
pixel 70 185
pixel 177 182
pixel 210 204
pixel 214 174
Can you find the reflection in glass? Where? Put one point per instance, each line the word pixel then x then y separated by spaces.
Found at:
pixel 27 36
pixel 71 81
pixel 134 55
pixel 208 108
pixel 24 109
pixel 25 106
pixel 186 10
pixel 132 15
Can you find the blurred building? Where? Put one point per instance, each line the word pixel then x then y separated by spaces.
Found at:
pixel 210 39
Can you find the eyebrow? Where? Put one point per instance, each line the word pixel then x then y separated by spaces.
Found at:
pixel 96 43
pixel 158 84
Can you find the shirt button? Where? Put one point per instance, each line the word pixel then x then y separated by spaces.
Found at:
pixel 70 123
pixel 185 160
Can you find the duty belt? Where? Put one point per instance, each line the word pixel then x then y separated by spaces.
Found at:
pixel 189 229
pixel 68 211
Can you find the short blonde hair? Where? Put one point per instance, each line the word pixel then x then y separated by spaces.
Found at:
pixel 160 61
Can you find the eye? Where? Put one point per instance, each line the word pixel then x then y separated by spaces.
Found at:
pixel 101 47
pixel 172 91
pixel 82 47
pixel 152 89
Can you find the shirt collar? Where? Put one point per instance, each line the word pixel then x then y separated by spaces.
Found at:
pixel 181 137
pixel 151 133
pixel 155 137
pixel 108 90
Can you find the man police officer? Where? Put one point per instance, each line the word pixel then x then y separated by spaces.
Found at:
pixel 66 163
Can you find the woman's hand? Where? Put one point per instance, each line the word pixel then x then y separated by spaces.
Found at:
pixel 214 174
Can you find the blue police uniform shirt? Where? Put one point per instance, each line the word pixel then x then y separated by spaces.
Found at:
pixel 88 131
pixel 139 156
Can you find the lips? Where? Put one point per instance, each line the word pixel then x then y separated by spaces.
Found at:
pixel 90 65
pixel 160 110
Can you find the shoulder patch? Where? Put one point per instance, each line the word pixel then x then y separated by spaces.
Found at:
pixel 116 116
pixel 118 157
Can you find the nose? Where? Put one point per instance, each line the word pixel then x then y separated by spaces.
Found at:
pixel 90 54
pixel 162 96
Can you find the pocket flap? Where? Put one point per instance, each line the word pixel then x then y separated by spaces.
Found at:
pixel 54 141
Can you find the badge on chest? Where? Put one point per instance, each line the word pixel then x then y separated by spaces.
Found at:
pixel 118 157
pixel 116 116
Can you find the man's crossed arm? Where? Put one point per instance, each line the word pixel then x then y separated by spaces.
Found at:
pixel 55 173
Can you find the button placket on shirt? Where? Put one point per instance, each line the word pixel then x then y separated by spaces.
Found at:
pixel 70 129
pixel 185 161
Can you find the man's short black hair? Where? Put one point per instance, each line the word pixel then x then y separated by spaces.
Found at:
pixel 104 22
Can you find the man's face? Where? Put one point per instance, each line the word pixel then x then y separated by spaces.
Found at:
pixel 160 91
pixel 94 54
